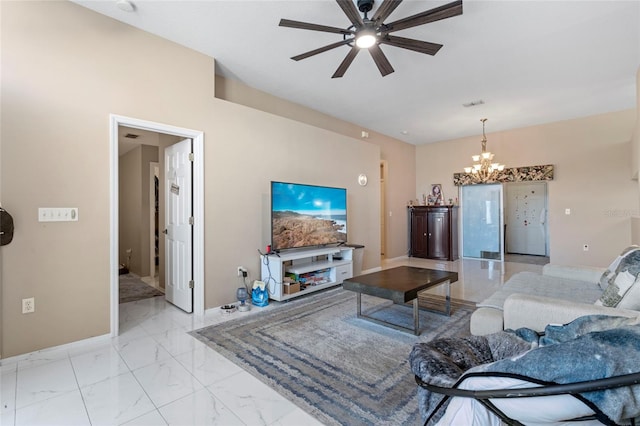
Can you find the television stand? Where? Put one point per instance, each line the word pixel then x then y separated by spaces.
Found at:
pixel 308 270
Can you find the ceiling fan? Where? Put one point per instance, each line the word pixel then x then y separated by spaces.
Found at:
pixel 365 33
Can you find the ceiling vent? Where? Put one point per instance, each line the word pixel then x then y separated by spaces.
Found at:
pixel 131 136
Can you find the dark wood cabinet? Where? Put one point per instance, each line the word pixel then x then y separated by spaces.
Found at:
pixel 434 232
pixel 419 233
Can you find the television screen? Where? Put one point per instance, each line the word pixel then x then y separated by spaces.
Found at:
pixel 307 215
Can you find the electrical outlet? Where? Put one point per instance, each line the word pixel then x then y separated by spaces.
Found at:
pixel 28 305
pixel 585 247
pixel 241 269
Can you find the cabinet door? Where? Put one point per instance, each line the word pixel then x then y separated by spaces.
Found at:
pixel 418 233
pixel 438 226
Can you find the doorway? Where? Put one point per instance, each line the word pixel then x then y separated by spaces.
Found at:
pixel 526 228
pixel 506 222
pixel 383 209
pixel 198 208
pixel 482 219
pixel 154 224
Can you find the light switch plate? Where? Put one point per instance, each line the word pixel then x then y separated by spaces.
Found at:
pixel 58 214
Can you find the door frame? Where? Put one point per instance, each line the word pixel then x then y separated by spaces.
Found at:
pixel 116 121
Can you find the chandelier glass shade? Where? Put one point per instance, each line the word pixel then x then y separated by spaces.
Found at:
pixel 484 169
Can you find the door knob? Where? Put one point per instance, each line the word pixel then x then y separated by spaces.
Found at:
pixel 165 232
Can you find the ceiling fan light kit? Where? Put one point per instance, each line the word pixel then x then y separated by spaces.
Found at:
pixel 365 39
pixel 365 33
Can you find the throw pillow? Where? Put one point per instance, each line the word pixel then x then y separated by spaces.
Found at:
pixel 631 300
pixel 610 274
pixel 616 291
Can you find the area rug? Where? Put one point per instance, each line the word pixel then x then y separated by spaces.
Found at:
pixel 131 288
pixel 340 369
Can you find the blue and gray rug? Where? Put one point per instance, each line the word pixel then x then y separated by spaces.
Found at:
pixel 132 288
pixel 340 369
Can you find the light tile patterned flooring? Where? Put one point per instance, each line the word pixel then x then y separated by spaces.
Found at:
pixel 154 373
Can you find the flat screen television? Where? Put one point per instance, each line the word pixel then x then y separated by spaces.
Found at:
pixel 307 215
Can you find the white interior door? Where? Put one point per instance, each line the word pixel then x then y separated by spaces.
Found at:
pixel 526 218
pixel 178 225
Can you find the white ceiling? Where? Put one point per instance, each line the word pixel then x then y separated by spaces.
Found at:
pixel 531 62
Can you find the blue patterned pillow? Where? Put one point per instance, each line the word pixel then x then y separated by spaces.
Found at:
pixel 622 280
pixel 609 276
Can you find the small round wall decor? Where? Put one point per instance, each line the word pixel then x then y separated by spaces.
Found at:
pixel 362 179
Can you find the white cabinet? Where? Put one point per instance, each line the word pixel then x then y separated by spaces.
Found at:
pixel 313 270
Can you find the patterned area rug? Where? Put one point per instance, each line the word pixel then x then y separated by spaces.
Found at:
pixel 131 288
pixel 340 369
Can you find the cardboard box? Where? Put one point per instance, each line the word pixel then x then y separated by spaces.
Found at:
pixel 290 288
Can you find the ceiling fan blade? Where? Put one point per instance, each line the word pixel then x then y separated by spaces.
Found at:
pixel 411 44
pixel 314 27
pixel 346 62
pixel 385 9
pixel 381 60
pixel 443 12
pixel 349 9
pixel 320 50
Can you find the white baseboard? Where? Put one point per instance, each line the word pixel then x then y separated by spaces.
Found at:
pixel 396 259
pixel 73 345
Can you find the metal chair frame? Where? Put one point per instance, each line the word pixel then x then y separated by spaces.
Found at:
pixel 546 389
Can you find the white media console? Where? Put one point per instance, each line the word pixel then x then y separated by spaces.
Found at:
pixel 312 270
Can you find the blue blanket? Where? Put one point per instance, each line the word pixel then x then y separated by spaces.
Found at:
pixel 442 362
pixel 589 348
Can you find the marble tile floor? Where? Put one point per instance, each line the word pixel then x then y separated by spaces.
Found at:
pixel 154 373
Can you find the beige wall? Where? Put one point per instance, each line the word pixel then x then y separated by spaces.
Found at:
pixel 635 161
pixel 149 155
pixel 238 176
pixel 130 208
pixel 134 216
pixel 592 163
pixel 635 141
pixel 55 152
pixel 400 156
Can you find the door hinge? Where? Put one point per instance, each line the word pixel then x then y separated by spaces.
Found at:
pixel 191 221
pixel 191 284
pixel 192 157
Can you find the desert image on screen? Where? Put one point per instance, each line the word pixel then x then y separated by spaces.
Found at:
pixel 306 215
pixel 291 229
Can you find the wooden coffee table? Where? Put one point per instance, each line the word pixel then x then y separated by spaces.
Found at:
pixel 401 285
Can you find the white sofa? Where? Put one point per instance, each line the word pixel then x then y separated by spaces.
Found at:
pixel 557 296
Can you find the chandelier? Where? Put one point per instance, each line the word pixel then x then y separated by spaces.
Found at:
pixel 484 168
